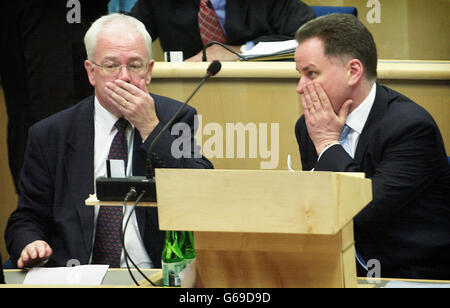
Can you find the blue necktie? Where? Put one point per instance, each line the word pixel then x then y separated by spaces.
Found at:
pixel 107 244
pixel 344 141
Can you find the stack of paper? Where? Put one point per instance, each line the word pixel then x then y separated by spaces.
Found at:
pixel 270 51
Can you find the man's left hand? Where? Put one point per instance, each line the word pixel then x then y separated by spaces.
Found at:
pixel 135 104
pixel 324 125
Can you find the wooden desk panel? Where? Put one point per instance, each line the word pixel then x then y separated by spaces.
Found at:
pixel 8 197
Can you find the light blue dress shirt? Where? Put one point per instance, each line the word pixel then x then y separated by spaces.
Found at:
pixel 219 7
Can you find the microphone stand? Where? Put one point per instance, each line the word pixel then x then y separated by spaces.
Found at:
pixel 150 170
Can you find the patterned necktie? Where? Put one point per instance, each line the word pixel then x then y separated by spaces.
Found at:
pixel 210 28
pixel 344 141
pixel 107 244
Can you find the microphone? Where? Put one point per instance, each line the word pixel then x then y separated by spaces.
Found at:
pixel 224 46
pixel 212 70
pixel 114 189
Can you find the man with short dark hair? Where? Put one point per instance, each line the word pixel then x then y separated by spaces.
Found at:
pixel 351 123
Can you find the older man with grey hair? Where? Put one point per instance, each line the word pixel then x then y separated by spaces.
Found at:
pixel 68 150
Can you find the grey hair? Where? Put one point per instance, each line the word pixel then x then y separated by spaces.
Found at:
pixel 91 37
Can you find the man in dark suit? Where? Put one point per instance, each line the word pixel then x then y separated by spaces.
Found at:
pixel 351 123
pixel 68 150
pixel 176 23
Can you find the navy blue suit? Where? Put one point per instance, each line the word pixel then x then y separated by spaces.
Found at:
pixel 407 225
pixel 58 176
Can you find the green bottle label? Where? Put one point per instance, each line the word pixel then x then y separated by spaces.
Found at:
pixel 171 273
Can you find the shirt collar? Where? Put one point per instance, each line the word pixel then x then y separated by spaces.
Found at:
pixel 103 117
pixel 358 117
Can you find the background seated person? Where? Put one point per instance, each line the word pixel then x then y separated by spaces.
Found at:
pixel 189 25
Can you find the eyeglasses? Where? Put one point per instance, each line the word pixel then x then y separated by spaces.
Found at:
pixel 114 68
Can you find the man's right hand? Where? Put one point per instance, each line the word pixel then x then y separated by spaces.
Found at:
pixel 34 254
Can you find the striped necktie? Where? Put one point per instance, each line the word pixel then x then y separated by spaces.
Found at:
pixel 208 22
pixel 107 244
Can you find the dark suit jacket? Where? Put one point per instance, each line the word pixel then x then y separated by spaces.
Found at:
pixel 58 176
pixel 175 22
pixel 2 277
pixel 407 225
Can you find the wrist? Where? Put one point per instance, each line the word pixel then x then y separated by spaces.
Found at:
pixel 145 132
pixel 324 146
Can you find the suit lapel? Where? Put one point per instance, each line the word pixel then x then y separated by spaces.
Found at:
pixel 376 113
pixel 79 164
pixel 139 167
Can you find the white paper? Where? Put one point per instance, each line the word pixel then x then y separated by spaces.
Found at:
pixel 268 48
pixel 117 168
pixel 83 275
pixel 173 56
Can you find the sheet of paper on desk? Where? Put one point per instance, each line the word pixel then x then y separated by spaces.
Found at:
pixel 268 48
pixel 83 275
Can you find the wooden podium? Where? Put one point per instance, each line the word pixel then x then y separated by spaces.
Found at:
pixel 266 228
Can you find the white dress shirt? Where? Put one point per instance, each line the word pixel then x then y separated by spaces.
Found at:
pixel 104 135
pixel 358 118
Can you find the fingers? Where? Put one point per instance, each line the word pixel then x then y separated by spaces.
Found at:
pixel 34 253
pixel 126 97
pixel 127 88
pixel 315 100
pixel 323 123
pixel 122 93
pixel 306 101
pixel 322 97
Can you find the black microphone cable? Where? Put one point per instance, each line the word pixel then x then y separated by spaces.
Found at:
pixel 132 193
pixel 122 237
pixel 204 59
